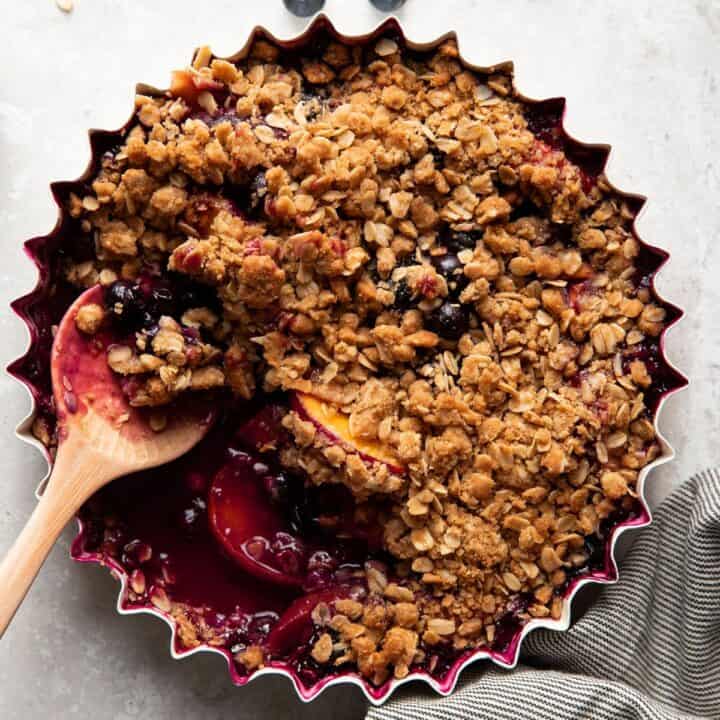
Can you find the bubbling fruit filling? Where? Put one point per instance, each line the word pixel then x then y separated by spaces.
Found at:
pixel 429 327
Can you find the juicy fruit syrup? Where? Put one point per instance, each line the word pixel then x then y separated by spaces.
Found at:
pixel 166 509
pixel 155 525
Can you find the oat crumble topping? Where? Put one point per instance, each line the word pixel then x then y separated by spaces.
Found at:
pixel 385 233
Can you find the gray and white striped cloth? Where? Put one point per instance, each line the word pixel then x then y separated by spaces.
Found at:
pixel 649 647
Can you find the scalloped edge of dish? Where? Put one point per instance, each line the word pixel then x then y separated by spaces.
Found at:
pixel 507 659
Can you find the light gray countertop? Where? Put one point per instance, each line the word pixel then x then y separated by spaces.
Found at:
pixel 642 76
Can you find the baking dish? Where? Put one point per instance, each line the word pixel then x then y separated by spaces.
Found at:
pixel 32 368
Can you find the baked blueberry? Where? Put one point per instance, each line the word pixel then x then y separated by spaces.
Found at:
pixel 126 304
pixel 162 301
pixel 258 191
pixel 449 320
pixel 403 296
pixel 462 241
pixel 450 267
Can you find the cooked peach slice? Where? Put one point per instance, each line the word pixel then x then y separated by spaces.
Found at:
pixel 249 527
pixel 335 426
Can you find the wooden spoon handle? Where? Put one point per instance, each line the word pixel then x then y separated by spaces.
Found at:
pixel 74 478
pixel 28 552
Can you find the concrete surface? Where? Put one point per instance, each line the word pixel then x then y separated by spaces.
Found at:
pixel 640 75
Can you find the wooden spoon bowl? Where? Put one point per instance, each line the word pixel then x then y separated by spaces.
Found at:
pixel 100 438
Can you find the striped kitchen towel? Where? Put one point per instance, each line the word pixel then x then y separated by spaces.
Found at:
pixel 649 647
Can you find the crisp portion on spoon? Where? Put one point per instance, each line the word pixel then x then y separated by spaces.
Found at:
pixel 100 437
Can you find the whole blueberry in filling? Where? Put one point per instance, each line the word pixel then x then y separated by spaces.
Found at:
pixel 449 320
pixel 457 241
pixel 450 267
pixel 258 191
pixel 126 305
pixel 403 296
pixel 162 301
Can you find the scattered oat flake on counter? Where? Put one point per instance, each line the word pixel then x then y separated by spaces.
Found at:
pixel 65 5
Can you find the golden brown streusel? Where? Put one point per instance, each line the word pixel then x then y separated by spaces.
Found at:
pixel 89 318
pixel 404 247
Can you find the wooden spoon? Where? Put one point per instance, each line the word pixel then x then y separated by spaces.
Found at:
pixel 100 438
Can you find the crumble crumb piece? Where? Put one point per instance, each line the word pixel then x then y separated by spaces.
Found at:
pixel 251 658
pixel 89 318
pixel 322 650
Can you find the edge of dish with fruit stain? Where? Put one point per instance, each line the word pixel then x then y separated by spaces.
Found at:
pixel 27 371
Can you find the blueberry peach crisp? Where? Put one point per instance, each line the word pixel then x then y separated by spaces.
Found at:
pixel 427 324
